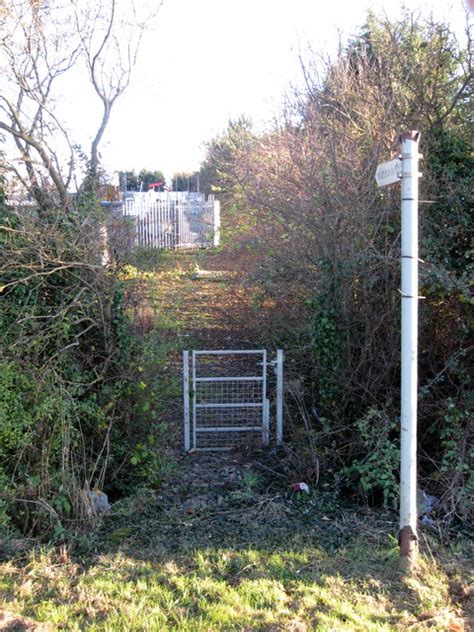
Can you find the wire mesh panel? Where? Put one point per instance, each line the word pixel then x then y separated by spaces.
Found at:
pixel 228 392
pixel 229 406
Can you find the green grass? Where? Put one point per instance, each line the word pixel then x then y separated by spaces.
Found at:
pixel 152 569
pixel 222 589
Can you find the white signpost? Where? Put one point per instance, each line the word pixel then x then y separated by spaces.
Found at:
pixel 388 172
pixel 406 170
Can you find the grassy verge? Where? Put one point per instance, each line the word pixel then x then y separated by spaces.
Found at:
pixel 248 563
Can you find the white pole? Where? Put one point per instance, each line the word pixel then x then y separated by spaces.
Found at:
pixel 266 425
pixel 265 410
pixel 187 427
pixel 194 401
pixel 279 402
pixel 409 348
pixel 217 224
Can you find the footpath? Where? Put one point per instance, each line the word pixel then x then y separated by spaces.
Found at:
pixel 223 541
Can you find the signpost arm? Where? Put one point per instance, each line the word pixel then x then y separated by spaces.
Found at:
pixel 408 537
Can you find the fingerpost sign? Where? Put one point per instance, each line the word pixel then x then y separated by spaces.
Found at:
pixel 389 172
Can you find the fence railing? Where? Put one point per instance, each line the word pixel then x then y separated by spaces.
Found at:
pixel 174 222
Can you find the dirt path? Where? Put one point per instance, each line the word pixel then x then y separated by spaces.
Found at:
pixel 199 300
pixel 201 297
pixel 186 301
pixel 196 300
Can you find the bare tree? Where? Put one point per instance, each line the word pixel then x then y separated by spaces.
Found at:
pixel 39 43
pixel 53 282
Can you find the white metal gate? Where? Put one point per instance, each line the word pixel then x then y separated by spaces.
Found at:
pixel 173 223
pixel 226 398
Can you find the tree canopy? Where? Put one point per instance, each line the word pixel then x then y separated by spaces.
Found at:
pixel 132 181
pixel 186 181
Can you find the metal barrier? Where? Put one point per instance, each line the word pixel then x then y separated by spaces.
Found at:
pixel 174 222
pixel 226 403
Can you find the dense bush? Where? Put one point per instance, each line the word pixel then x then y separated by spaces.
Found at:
pixel 325 245
pixel 68 387
pixel 69 391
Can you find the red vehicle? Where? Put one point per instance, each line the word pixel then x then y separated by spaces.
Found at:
pixel 157 186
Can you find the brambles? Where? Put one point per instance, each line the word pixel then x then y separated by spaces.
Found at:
pixel 322 241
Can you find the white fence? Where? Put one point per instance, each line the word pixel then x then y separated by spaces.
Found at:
pixel 174 221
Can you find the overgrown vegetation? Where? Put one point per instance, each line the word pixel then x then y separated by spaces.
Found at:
pixel 68 384
pixel 91 353
pixel 66 369
pixel 323 242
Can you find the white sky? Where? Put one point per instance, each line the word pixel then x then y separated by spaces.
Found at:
pixel 210 60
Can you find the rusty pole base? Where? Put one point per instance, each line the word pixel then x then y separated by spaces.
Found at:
pixel 408 541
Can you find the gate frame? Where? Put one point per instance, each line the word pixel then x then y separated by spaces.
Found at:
pixel 190 428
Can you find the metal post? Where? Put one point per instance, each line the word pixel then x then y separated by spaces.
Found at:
pixel 265 411
pixel 279 402
pixel 217 223
pixel 187 427
pixel 194 400
pixel 266 425
pixel 408 537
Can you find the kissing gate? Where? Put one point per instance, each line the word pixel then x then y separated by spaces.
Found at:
pixel 226 399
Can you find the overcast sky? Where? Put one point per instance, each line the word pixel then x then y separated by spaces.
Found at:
pixel 210 60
